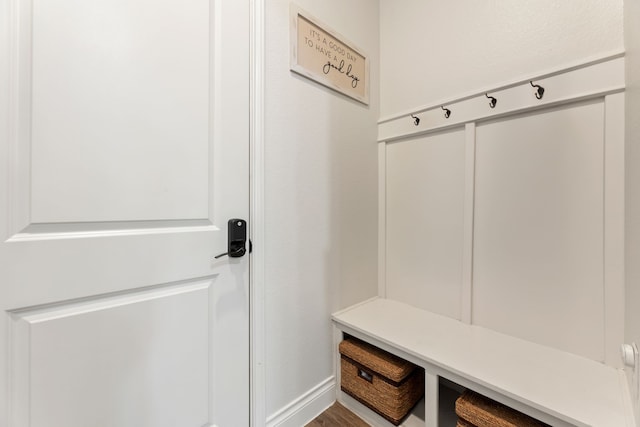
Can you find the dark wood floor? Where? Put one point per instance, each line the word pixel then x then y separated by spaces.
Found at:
pixel 337 416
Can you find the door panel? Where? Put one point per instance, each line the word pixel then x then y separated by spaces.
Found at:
pixel 103 357
pixel 153 97
pixel 126 141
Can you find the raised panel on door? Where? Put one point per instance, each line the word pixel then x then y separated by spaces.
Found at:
pixel 538 228
pixel 113 86
pixel 425 181
pixel 140 359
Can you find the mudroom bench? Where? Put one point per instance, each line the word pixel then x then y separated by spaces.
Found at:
pixel 552 386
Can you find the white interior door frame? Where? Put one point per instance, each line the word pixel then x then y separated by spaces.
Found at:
pixel 257 278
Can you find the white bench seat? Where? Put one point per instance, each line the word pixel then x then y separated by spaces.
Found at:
pixel 554 386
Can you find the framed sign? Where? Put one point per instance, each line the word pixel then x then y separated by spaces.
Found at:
pixel 326 57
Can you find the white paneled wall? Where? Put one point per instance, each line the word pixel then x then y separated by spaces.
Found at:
pixel 538 228
pixel 510 218
pixel 425 198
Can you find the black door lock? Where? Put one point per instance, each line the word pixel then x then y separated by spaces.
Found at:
pixel 236 238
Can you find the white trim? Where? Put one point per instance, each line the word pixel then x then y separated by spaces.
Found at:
pixel 61 310
pixel 512 83
pixel 628 400
pixel 432 399
pixel 351 307
pixel 382 220
pixel 568 86
pixel 20 113
pixel 466 290
pixel 121 231
pixel 338 336
pixel 306 407
pixel 614 228
pixel 257 352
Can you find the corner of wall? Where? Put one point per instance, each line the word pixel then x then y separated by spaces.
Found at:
pixel 320 190
pixel 632 190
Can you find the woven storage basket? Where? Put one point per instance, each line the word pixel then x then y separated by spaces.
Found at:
pixel 385 383
pixel 475 410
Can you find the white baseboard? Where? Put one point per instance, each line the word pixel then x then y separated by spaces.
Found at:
pixel 306 407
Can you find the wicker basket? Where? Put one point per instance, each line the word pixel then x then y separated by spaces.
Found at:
pixel 385 383
pixel 475 410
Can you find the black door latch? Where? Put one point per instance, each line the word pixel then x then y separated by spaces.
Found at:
pixel 236 238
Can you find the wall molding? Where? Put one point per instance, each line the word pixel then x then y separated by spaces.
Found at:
pixel 521 80
pixel 306 407
pixel 581 82
pixel 382 221
pixel 614 228
pixel 257 280
pixel 600 81
pixel 469 199
pixel 20 111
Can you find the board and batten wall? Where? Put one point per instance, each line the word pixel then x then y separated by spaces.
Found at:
pixel 514 223
pixel 516 218
pixel 321 200
pixel 632 137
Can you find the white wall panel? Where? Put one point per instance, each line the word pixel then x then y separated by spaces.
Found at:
pixel 130 56
pixel 425 201
pixel 538 237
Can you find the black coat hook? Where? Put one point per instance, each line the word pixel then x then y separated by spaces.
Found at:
pixel 493 101
pixel 447 112
pixel 539 91
pixel 416 120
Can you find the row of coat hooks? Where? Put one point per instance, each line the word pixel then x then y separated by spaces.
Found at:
pixel 492 103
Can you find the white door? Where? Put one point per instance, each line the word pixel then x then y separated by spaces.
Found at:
pixel 124 151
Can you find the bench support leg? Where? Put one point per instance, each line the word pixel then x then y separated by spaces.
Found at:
pixel 431 396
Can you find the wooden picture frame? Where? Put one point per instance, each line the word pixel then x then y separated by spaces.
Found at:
pixel 326 57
